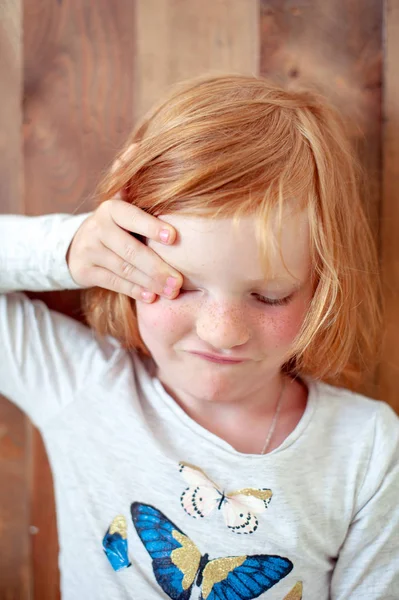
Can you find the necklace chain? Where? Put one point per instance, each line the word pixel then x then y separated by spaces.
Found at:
pixel 274 420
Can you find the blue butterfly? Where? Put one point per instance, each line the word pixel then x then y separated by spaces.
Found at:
pixel 115 544
pixel 178 564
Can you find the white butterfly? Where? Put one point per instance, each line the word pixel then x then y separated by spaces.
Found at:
pixel 239 508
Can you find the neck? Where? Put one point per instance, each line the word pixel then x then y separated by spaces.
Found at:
pixel 225 418
pixel 244 424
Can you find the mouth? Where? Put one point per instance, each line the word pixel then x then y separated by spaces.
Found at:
pixel 215 358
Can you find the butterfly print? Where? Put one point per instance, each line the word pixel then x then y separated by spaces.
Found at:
pixel 239 508
pixel 115 543
pixel 178 564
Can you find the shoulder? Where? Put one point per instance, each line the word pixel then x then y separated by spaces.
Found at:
pixel 358 437
pixel 361 430
pixel 72 334
pixel 48 358
pixel 354 411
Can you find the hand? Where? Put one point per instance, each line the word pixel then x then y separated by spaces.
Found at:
pixel 103 253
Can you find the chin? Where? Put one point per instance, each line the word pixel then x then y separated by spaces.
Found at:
pixel 205 387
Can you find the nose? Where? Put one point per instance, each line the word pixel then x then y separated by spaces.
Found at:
pixel 222 325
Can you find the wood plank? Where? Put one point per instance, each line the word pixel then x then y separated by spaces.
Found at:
pixel 15 438
pixel 389 368
pixel 14 428
pixel 44 535
pixel 177 39
pixel 334 46
pixel 78 97
pixel 79 60
pixel 11 116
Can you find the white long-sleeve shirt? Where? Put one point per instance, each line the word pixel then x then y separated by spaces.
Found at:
pixel 326 501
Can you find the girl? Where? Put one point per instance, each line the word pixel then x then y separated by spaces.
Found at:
pixel 203 437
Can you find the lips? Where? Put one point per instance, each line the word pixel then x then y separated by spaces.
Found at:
pixel 217 358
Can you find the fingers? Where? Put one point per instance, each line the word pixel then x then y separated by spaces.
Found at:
pixel 134 219
pixel 110 281
pixel 132 256
pixel 104 253
pixel 122 269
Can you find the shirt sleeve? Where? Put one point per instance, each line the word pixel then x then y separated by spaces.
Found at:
pixel 368 563
pixel 33 252
pixel 45 357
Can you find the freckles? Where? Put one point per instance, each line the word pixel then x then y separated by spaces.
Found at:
pixel 175 317
pixel 283 326
pixel 162 316
pixel 215 317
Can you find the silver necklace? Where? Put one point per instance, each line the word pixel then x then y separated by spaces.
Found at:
pixel 274 421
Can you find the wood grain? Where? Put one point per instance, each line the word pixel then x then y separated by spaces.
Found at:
pixel 10 115
pixel 389 367
pixel 177 39
pixel 15 581
pixel 336 47
pixel 78 97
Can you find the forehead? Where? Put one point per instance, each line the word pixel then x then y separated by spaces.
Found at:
pixel 221 249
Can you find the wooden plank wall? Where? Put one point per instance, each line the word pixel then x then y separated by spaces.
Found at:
pixel 90 69
pixel 389 242
pixel 177 39
pixel 336 47
pixel 14 429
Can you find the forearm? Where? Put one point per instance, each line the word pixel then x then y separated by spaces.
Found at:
pixel 33 252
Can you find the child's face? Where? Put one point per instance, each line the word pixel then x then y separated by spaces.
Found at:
pixel 220 309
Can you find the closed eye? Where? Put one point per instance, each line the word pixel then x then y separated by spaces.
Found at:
pixel 274 301
pixel 259 297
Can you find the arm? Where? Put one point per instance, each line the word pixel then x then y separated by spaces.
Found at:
pixel 368 563
pixel 44 356
pixel 33 251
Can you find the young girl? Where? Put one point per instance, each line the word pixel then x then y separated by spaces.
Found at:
pixel 203 439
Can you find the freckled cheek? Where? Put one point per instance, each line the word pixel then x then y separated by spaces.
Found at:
pixel 281 327
pixel 163 317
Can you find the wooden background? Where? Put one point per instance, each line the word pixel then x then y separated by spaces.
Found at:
pixel 74 77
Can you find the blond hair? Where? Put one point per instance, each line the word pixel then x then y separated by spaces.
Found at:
pixel 231 145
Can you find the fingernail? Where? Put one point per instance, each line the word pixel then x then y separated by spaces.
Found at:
pixel 164 235
pixel 147 296
pixel 171 282
pixel 167 291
